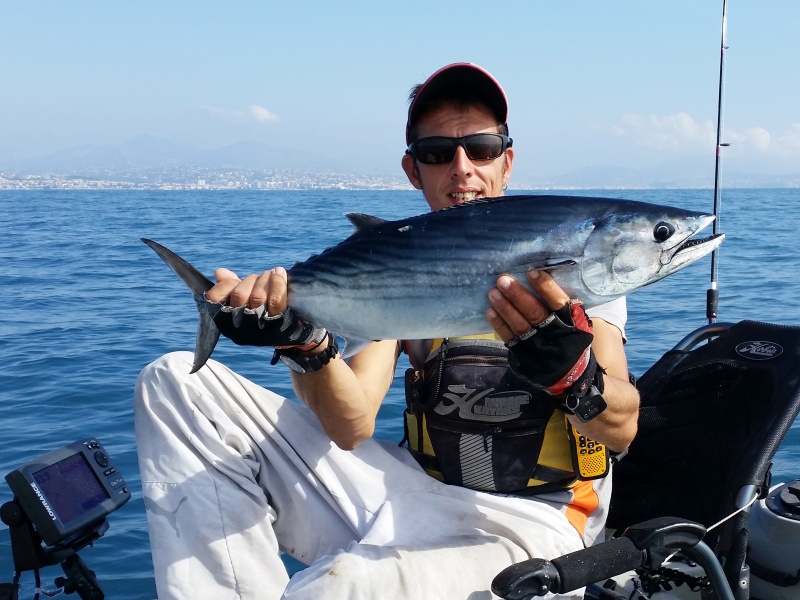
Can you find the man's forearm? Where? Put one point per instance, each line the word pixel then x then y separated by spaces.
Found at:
pixel 346 396
pixel 335 396
pixel 616 426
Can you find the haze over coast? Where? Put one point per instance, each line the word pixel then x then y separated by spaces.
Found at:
pixel 152 163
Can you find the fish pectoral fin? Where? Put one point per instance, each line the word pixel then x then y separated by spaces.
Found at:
pixel 549 265
pixel 553 265
pixel 364 222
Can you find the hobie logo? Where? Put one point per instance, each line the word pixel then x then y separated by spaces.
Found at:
pixel 478 405
pixel 759 350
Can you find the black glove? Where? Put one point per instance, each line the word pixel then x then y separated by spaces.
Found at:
pixel 556 355
pixel 254 327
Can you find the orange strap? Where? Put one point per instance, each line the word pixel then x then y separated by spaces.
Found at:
pixel 584 502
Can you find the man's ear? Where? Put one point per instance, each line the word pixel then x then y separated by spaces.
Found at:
pixel 410 167
pixel 508 165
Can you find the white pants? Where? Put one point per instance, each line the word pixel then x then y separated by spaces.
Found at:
pixel 232 474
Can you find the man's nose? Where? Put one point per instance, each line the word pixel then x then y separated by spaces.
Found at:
pixel 461 163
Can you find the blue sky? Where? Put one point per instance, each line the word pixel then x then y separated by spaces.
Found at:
pixel 591 83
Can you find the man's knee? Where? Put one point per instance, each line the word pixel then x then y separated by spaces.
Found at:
pixel 159 377
pixel 170 363
pixel 167 367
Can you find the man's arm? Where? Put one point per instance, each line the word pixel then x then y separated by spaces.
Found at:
pixel 617 425
pixel 515 310
pixel 346 395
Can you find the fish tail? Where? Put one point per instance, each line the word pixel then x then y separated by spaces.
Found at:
pixel 199 284
pixel 207 338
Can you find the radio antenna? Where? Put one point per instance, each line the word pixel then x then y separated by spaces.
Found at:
pixel 712 295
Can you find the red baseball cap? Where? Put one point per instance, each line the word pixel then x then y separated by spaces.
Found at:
pixel 459 75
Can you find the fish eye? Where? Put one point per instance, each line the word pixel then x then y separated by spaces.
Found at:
pixel 662 231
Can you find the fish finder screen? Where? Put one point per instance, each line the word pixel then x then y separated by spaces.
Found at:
pixel 70 487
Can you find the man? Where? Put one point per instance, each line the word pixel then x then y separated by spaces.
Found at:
pixel 232 473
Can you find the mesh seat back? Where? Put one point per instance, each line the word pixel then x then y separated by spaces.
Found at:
pixel 711 420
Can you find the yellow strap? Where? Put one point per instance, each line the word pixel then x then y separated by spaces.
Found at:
pixel 483 336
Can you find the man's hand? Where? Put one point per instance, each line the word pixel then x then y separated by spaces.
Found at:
pixel 549 339
pixel 515 309
pixel 269 288
pixel 254 311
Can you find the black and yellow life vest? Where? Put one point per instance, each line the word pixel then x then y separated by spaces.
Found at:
pixel 470 421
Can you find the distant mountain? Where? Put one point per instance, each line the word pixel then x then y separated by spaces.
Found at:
pixel 136 152
pixel 260 156
pixel 150 152
pixel 686 173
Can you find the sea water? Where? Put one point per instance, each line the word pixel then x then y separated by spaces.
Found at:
pixel 87 305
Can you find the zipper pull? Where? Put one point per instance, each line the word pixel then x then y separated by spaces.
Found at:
pixel 486 434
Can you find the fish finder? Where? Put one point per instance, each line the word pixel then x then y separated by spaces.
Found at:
pixel 68 490
pixel 61 499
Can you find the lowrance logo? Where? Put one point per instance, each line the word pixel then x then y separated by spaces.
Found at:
pixel 761 350
pixel 44 502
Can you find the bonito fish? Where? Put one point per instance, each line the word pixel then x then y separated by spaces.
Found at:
pixel 428 276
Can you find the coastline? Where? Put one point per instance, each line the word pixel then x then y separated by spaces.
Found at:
pixel 245 179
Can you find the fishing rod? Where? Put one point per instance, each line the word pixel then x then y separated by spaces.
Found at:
pixel 712 295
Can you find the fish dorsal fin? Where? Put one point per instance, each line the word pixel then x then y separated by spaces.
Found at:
pixel 364 222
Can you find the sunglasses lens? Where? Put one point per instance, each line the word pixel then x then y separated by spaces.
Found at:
pixel 441 150
pixel 434 151
pixel 483 146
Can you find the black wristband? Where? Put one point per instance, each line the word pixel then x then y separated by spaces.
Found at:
pixel 300 363
pixel 587 405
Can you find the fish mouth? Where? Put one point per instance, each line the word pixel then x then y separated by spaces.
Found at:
pixel 691 250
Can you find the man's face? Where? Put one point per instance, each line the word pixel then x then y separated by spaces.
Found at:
pixel 462 179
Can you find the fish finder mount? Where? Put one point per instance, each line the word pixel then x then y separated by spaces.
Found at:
pixel 60 505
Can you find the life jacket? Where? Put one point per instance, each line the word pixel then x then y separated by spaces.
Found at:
pixel 469 421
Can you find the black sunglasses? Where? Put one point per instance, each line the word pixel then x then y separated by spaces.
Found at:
pixel 439 150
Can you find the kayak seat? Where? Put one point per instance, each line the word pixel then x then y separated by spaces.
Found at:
pixel 712 417
pixel 714 411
